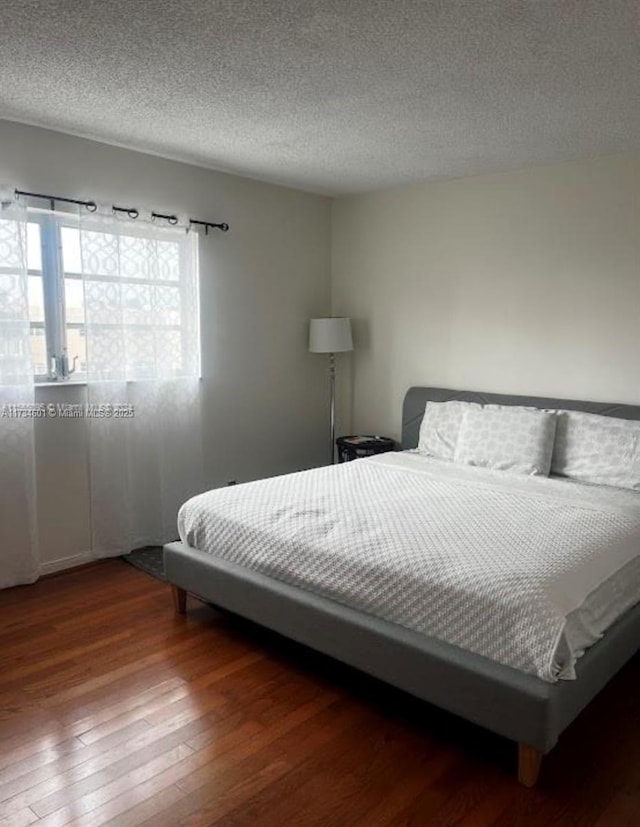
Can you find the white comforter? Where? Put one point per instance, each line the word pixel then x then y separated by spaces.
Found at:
pixel 527 571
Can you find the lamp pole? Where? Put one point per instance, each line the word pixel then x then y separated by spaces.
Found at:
pixel 330 335
pixel 332 390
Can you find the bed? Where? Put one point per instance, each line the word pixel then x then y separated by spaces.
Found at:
pixel 247 551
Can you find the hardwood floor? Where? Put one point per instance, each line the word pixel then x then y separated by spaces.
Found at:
pixel 113 710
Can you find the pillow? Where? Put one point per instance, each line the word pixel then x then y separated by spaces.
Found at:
pixel 516 408
pixel 507 439
pixel 597 449
pixel 440 426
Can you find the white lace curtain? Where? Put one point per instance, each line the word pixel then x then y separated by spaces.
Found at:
pixel 143 355
pixel 18 522
pixel 134 321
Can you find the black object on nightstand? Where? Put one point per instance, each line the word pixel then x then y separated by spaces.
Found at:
pixel 355 447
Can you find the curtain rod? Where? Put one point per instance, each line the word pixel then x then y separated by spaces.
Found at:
pixel 90 205
pixel 132 212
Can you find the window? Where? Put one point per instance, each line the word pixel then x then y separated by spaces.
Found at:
pixel 109 299
pixel 37 339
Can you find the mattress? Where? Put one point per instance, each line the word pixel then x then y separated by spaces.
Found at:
pixel 527 571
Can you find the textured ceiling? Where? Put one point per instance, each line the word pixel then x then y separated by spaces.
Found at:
pixel 332 96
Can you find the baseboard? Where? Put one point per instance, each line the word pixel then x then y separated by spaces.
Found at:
pixel 64 563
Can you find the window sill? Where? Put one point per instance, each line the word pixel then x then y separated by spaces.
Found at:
pixel 70 384
pixel 81 383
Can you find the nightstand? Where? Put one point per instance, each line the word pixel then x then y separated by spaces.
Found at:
pixel 355 447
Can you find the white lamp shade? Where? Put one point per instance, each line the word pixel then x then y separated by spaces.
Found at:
pixel 331 335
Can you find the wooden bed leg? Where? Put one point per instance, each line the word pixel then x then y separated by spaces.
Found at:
pixel 529 761
pixel 179 600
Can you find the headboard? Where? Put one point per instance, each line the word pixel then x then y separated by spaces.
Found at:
pixel 416 399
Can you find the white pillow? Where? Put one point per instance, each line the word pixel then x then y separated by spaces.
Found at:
pixel 516 408
pixel 507 439
pixel 597 449
pixel 440 426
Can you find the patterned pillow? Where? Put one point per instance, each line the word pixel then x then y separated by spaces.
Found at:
pixel 440 426
pixel 516 408
pixel 507 439
pixel 597 449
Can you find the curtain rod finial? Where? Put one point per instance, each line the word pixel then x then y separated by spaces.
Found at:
pixel 7 194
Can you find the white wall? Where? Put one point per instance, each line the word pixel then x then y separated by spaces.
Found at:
pixel 522 282
pixel 525 282
pixel 264 395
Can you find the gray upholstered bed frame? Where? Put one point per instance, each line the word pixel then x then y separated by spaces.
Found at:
pixel 521 707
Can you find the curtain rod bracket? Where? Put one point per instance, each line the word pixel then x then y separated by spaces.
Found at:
pixel 132 212
pixel 206 224
pixel 172 219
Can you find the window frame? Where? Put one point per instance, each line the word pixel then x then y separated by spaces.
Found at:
pixel 55 323
pixel 52 277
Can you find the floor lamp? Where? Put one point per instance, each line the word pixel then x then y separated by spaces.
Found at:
pixel 331 336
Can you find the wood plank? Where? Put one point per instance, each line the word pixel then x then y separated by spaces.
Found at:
pixel 114 711
pixel 228 799
pixel 300 732
pixel 59 781
pixel 398 801
pixel 623 811
pixel 334 761
pixel 91 799
pixel 20 819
